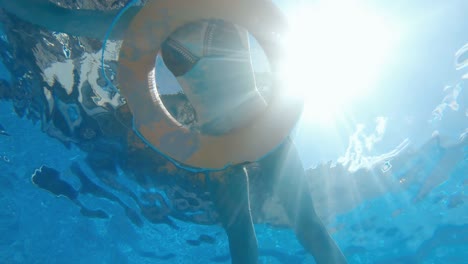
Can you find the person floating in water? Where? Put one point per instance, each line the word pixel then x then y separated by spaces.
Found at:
pixel 283 167
pixel 220 110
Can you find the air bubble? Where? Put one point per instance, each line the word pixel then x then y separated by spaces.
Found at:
pixel 6 159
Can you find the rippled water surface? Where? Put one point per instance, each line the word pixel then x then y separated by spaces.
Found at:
pixel 388 170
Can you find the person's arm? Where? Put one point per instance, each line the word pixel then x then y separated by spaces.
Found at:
pixel 77 22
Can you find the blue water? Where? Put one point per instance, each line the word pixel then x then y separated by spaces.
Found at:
pixel 40 228
pixel 4 73
pixel 415 216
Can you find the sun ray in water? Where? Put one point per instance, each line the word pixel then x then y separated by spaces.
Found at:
pixel 335 54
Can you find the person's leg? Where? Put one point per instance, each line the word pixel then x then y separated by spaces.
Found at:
pixel 230 193
pixel 291 186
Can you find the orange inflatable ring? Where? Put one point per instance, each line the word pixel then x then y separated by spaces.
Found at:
pixel 152 122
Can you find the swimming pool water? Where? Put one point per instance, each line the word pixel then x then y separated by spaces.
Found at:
pixel 415 214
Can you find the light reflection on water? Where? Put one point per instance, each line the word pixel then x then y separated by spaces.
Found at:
pixel 391 197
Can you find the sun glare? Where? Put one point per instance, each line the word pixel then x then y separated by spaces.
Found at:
pixel 335 51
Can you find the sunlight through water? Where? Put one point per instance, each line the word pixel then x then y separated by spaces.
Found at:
pixel 335 53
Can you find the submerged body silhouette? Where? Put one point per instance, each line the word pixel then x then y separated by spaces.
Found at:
pixel 101 126
pixel 221 197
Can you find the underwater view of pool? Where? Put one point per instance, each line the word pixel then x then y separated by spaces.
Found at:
pixel 382 136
